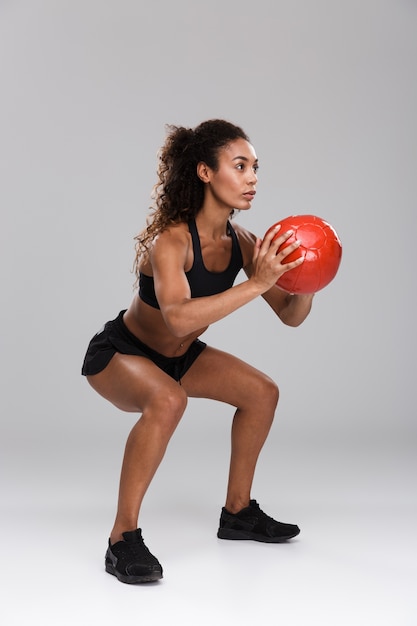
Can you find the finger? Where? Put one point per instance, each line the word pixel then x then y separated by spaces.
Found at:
pixel 293 264
pixel 267 240
pixel 287 250
pixel 280 240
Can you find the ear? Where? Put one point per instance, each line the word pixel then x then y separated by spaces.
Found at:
pixel 203 172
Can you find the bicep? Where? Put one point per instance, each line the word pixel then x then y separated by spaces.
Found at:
pixel 168 260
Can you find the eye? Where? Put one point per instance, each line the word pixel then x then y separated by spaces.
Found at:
pixel 256 168
pixel 240 166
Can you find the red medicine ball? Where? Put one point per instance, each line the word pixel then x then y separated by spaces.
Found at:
pixel 321 247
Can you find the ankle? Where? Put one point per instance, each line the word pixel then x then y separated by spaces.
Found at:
pixel 234 506
pixel 115 537
pixel 117 534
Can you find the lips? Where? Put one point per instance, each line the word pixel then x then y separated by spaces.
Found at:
pixel 250 195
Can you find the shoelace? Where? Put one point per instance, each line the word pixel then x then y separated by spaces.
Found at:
pixel 138 548
pixel 259 511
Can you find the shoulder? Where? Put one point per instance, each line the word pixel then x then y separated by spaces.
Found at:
pixel 172 242
pixel 243 234
pixel 247 241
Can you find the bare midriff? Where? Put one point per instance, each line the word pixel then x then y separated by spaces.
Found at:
pixel 147 324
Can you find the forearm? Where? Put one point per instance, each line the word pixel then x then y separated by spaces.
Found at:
pixel 296 309
pixel 195 313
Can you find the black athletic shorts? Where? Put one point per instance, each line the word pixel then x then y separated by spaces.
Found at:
pixel 115 337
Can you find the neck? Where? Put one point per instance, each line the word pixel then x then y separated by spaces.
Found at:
pixel 212 223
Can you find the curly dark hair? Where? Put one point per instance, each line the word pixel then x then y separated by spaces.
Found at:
pixel 179 193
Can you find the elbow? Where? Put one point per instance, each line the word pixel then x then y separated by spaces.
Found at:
pixel 178 325
pixel 294 316
pixel 178 331
pixel 176 328
pixel 293 319
pixel 292 323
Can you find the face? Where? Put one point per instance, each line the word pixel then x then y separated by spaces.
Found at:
pixel 233 184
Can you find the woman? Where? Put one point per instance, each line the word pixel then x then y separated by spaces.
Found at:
pixel 150 359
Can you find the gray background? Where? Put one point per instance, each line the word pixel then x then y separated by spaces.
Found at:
pixel 327 92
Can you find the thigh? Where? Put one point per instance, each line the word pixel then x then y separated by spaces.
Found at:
pixel 218 375
pixel 133 382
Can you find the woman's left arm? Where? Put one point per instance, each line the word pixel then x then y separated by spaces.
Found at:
pixel 292 309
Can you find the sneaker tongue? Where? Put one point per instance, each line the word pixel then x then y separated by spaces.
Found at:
pixel 132 536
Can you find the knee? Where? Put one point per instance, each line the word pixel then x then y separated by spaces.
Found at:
pixel 272 391
pixel 268 392
pixel 167 408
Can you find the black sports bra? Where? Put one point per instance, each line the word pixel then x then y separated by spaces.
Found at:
pixel 201 281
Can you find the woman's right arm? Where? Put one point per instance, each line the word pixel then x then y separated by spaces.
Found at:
pixel 184 315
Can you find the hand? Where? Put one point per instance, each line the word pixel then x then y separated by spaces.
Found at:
pixel 269 264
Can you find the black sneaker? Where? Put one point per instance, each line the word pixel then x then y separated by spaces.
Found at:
pixel 252 523
pixel 131 561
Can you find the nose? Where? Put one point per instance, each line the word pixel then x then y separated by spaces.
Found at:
pixel 253 177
